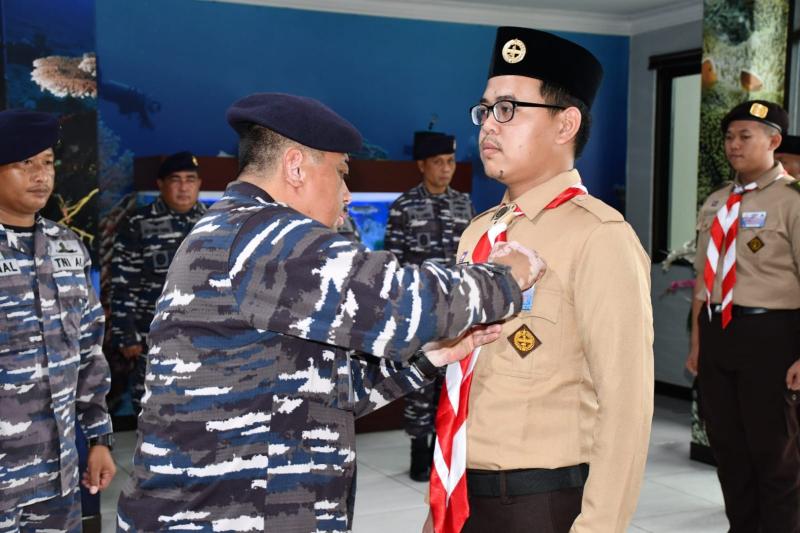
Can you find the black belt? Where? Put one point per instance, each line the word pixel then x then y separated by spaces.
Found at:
pixel 507 483
pixel 739 310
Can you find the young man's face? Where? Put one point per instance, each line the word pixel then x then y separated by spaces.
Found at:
pixel 437 171
pixel 790 162
pixel 510 151
pixel 25 186
pixel 749 145
pixel 180 190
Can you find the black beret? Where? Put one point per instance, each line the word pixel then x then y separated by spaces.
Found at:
pixel 177 163
pixel 301 119
pixel 546 57
pixel 762 111
pixel 25 133
pixel 431 143
pixel 789 145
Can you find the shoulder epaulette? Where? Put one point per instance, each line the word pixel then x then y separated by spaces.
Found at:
pixel 794 184
pixel 597 207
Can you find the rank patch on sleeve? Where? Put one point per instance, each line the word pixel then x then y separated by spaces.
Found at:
pixel 524 341
pixel 755 244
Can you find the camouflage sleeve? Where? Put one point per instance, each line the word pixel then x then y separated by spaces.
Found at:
pixel 378 381
pixel 126 268
pixel 94 379
pixel 294 276
pixel 393 239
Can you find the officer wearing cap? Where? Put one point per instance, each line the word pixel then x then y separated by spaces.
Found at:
pixel 425 224
pixel 788 155
pixel 560 405
pixel 52 368
pixel 144 246
pixel 252 387
pixel 745 322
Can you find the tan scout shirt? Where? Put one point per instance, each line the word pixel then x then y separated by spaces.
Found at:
pixel 767 244
pixel 585 394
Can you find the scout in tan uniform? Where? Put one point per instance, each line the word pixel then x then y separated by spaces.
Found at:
pixel 742 359
pixel 788 155
pixel 561 405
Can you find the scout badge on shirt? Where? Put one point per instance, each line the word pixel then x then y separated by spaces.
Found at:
pixel 755 244
pixel 753 219
pixel 524 341
pixel 66 255
pixel 8 267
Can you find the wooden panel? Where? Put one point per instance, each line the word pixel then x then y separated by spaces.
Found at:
pixel 365 175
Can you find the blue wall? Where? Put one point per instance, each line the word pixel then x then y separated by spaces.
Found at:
pixel 179 63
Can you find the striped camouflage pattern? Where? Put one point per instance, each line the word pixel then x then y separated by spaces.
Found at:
pixel 51 363
pixel 248 418
pixel 427 227
pixel 144 247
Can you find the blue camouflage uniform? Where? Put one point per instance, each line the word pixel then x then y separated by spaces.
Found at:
pixel 426 227
pixel 52 368
pixel 144 247
pixel 252 390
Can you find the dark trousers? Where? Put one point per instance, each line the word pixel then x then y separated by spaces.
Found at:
pixel 546 512
pixel 752 419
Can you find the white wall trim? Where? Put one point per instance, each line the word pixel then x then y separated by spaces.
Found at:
pixel 459 12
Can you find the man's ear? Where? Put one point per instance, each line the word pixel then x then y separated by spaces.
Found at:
pixel 421 165
pixel 292 167
pixel 569 124
pixel 775 141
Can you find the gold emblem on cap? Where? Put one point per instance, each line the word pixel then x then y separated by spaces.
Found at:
pixel 514 51
pixel 759 110
pixel 194 161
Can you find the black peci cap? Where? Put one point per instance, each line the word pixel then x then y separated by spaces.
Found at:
pixel 546 57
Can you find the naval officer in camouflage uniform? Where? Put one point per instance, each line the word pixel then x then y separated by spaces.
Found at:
pixel 52 368
pixel 248 419
pixel 425 224
pixel 143 249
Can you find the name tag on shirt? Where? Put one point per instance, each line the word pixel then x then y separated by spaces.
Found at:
pixel 8 267
pixel 66 255
pixel 753 219
pixel 527 299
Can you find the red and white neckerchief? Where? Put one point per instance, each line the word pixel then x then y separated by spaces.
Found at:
pixel 724 231
pixel 448 488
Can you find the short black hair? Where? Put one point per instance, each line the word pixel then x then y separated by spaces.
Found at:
pixel 260 148
pixel 556 95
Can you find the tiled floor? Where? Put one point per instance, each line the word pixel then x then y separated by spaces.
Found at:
pixel 678 495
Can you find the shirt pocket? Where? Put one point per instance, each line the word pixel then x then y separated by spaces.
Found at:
pixel 765 243
pixel 533 340
pixel 72 295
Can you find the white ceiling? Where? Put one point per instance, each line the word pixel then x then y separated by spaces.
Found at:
pixel 614 17
pixel 607 7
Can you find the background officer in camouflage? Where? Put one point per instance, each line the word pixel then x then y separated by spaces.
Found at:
pixel 51 330
pixel 425 224
pixel 248 419
pixel 143 250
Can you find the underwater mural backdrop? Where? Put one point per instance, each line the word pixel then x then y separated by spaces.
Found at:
pixel 50 66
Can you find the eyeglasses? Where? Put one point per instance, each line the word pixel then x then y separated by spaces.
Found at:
pixel 503 110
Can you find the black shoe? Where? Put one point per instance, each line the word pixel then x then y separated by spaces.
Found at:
pixel 420 459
